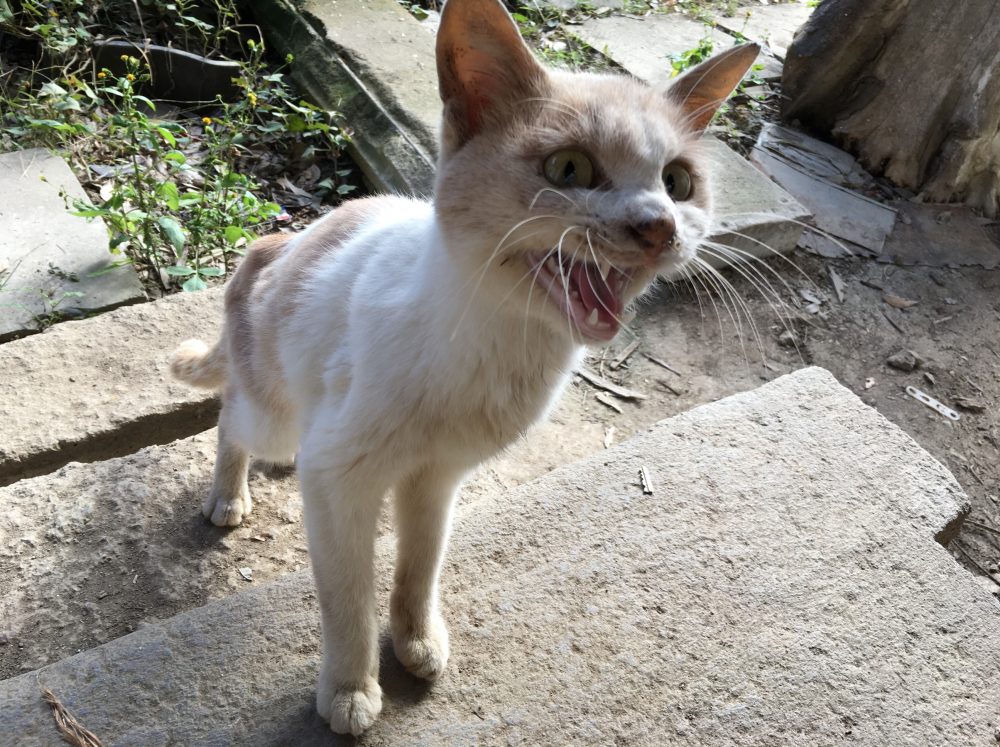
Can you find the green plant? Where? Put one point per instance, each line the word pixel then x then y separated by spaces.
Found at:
pixel 690 57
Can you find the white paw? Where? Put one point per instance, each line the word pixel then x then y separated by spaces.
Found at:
pixel 424 655
pixel 350 711
pixel 227 510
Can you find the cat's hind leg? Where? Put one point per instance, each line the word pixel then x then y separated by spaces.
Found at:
pixel 423 517
pixel 229 499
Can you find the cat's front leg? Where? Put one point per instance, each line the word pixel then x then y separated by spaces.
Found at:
pixel 341 503
pixel 423 516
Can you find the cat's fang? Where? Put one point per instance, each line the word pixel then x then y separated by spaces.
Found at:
pixel 592 319
pixel 605 267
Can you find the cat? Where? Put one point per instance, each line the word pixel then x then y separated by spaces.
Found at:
pixel 397 343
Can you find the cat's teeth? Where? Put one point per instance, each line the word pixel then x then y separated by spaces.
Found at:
pixel 592 319
pixel 605 268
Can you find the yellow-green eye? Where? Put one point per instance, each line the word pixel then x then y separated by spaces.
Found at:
pixel 569 168
pixel 677 180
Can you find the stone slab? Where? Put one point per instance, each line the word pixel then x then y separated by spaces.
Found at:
pixel 774 25
pixel 373 62
pixel 752 214
pixel 100 387
pixel 643 46
pixel 51 263
pixel 780 586
pixel 837 212
pixel 88 551
pixel 940 236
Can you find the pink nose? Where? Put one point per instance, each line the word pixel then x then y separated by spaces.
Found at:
pixel 654 236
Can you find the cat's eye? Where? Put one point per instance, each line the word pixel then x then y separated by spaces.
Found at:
pixel 569 168
pixel 677 180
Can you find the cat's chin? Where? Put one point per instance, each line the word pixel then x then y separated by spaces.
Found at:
pixel 589 295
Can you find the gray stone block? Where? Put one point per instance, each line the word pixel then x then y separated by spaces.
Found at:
pixel 774 25
pixel 100 387
pixel 374 62
pixel 50 261
pixel 643 46
pixel 781 585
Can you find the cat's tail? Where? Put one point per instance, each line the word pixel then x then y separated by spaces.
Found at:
pixel 194 363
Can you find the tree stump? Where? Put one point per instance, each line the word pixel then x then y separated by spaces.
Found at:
pixel 910 87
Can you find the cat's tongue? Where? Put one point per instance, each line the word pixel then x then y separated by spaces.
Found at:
pixel 595 293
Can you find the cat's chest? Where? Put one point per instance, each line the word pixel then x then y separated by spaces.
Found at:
pixel 492 411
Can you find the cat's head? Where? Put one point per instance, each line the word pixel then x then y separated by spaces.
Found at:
pixel 563 195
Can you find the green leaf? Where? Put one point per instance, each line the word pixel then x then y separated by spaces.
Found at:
pixel 194 283
pixel 172 230
pixel 170 194
pixel 211 272
pixel 146 101
pixel 6 14
pixel 52 89
pixel 179 271
pixel 168 136
pixel 233 234
pixel 176 156
pixel 88 212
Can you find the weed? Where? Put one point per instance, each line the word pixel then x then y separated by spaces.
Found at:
pixel 178 197
pixel 690 57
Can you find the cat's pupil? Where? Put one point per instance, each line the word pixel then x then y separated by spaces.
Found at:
pixel 569 173
pixel 671 184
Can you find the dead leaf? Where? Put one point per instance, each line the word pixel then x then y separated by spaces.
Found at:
pixel 898 302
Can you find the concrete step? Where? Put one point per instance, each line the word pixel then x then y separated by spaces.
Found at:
pixel 52 264
pixel 100 387
pixel 374 61
pixel 92 550
pixel 781 585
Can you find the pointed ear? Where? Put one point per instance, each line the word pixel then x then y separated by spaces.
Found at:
pixel 484 67
pixel 701 90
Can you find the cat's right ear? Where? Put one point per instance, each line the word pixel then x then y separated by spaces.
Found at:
pixel 484 68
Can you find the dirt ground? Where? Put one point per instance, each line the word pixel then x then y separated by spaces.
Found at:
pixel 123 571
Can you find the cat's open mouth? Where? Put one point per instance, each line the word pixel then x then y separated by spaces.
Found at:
pixel 590 295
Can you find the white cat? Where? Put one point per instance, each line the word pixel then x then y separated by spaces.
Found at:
pixel 398 343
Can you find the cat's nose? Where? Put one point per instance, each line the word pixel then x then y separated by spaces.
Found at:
pixel 655 235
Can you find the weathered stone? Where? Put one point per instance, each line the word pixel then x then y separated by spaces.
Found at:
pixel 100 387
pixel 781 584
pixel 373 61
pixel 51 263
pixel 644 46
pixel 88 550
pixel 774 25
pixel 904 360
pixel 752 213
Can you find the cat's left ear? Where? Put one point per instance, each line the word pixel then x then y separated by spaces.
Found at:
pixel 485 70
pixel 701 89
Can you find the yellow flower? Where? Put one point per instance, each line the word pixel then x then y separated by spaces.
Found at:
pixel 252 97
pixel 206 120
pixel 124 58
pixel 130 77
pixel 251 43
pixel 102 75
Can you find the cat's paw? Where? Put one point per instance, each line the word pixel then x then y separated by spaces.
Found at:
pixel 424 654
pixel 227 510
pixel 350 711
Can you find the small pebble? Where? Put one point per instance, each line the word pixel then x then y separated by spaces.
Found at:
pixel 904 360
